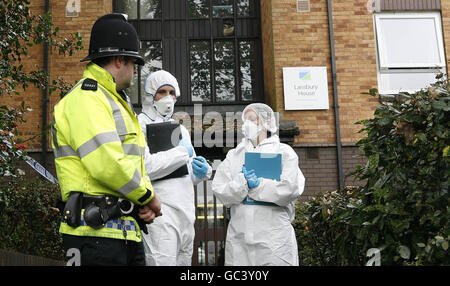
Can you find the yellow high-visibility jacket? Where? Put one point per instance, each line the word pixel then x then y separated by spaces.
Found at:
pixel 99 150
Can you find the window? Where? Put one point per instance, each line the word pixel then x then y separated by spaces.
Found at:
pixel 410 50
pixel 128 7
pixel 212 47
pixel 246 8
pixel 223 8
pixel 200 71
pixel 199 9
pixel 224 71
pixel 150 9
pixel 248 69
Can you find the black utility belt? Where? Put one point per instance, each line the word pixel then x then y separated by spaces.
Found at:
pixel 178 173
pixel 98 210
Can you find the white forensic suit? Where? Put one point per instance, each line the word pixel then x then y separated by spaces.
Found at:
pixel 260 234
pixel 170 237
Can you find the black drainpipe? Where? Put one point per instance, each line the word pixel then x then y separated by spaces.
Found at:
pixel 45 100
pixel 335 97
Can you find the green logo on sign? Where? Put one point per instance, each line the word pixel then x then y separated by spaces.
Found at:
pixel 305 75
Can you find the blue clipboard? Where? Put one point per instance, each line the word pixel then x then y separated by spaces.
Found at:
pixel 266 165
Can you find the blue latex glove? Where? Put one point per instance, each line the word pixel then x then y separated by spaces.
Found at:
pixel 185 143
pixel 250 176
pixel 199 167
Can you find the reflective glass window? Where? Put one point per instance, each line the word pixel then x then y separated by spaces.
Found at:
pixel 248 71
pixel 150 9
pixel 200 71
pixel 224 73
pixel 222 8
pixel 198 8
pixel 128 7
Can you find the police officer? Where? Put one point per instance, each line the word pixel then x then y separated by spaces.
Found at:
pixel 98 146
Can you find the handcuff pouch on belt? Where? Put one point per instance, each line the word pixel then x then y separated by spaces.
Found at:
pixel 96 214
pixel 72 209
pixel 98 210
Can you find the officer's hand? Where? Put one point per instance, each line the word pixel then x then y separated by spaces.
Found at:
pixel 146 214
pixel 151 210
pixel 155 205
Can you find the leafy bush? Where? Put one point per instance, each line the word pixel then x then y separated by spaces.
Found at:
pixel 19 30
pixel 319 224
pixel 10 149
pixel 30 220
pixel 404 207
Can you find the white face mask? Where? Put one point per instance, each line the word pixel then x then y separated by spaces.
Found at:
pixel 251 130
pixel 165 105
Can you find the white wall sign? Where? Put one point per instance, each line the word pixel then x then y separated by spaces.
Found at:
pixel 305 88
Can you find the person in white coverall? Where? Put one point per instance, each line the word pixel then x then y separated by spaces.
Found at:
pixel 262 210
pixel 170 238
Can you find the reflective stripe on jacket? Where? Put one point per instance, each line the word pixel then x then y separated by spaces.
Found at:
pixel 99 147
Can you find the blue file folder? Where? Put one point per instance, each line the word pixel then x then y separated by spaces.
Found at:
pixel 266 165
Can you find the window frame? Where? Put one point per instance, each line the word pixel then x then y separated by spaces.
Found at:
pixel 407 69
pixel 212 22
pixel 436 16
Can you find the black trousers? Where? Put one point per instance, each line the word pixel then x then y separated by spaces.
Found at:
pixel 88 251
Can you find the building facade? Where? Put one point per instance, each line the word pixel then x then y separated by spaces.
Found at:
pixel 229 53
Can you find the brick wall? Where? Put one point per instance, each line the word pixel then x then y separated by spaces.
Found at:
pixel 33 96
pixel 70 67
pixel 302 39
pixel 356 64
pixel 66 67
pixel 319 166
pixel 268 52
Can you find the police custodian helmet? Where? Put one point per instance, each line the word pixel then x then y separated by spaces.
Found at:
pixel 112 35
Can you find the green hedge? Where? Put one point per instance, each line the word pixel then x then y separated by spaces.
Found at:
pixel 404 207
pixel 323 223
pixel 30 219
